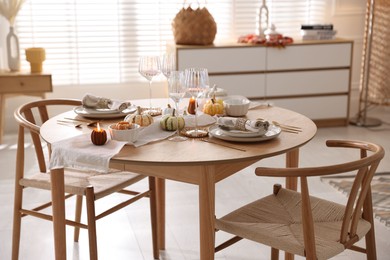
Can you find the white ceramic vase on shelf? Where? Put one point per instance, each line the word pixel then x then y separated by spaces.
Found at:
pixel 13 52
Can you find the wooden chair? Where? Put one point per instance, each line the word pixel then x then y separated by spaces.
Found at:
pixel 308 226
pixel 92 185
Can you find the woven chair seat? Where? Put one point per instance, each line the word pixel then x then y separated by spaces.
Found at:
pixel 76 181
pixel 275 220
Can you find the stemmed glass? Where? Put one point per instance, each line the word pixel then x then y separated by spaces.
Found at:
pixel 196 81
pixel 177 90
pixel 150 67
pixel 168 64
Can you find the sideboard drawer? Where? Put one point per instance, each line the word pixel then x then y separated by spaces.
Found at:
pixel 308 82
pixel 310 56
pixel 25 84
pixel 316 107
pixel 223 60
pixel 249 85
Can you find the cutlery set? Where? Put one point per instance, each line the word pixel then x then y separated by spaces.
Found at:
pixel 76 122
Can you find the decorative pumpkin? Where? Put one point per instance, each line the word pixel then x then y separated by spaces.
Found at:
pixel 98 136
pixel 168 110
pixel 172 122
pixel 213 107
pixel 123 125
pixel 139 118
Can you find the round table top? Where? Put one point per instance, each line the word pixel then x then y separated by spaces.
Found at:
pixel 194 151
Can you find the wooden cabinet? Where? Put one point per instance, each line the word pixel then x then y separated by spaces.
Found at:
pixel 21 83
pixel 312 78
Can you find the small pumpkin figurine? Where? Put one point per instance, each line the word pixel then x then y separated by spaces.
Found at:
pixel 213 107
pixel 172 122
pixel 168 110
pixel 139 118
pixel 98 136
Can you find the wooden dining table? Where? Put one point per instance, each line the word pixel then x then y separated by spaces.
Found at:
pixel 193 161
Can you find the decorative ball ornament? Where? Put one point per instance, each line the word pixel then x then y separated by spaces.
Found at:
pixel 98 136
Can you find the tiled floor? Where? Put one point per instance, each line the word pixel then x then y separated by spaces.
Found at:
pixel 126 234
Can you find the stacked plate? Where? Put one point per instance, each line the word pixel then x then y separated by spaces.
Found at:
pixel 244 136
pixel 103 112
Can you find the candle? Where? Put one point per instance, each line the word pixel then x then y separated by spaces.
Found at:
pixel 98 136
pixel 192 106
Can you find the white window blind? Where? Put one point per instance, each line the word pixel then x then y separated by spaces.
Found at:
pixel 100 41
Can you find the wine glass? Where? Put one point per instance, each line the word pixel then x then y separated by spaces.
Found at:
pixel 196 80
pixel 149 67
pixel 177 90
pixel 168 64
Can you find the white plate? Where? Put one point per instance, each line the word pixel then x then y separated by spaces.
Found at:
pixel 273 131
pixel 105 113
pixel 239 133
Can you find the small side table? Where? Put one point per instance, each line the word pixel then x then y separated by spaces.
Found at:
pixel 21 83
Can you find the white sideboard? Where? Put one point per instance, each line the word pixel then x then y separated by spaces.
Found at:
pixel 309 77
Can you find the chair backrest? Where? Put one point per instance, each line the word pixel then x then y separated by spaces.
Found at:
pixel 31 116
pixel 365 167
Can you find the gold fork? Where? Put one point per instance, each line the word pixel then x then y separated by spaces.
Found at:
pixel 89 122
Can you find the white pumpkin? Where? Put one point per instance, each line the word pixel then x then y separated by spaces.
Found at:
pixel 139 118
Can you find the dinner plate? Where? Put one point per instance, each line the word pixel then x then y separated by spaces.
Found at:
pixel 103 113
pixel 273 131
pixel 240 133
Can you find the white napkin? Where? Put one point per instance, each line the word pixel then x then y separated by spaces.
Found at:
pixel 203 120
pixel 243 124
pixel 79 153
pixel 91 101
pixel 152 133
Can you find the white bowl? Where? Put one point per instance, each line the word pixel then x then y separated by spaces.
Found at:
pixel 127 135
pixel 236 106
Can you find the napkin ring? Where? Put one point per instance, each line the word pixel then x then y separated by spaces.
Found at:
pixel 240 124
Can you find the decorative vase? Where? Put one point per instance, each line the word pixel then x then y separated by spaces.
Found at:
pixel 13 52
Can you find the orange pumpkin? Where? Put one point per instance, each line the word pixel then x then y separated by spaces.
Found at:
pixel 213 107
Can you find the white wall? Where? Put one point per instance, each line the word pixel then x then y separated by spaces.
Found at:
pixel 346 15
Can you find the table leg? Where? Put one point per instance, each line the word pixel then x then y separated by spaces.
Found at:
pixel 292 160
pixel 58 200
pixel 2 116
pixel 160 194
pixel 207 214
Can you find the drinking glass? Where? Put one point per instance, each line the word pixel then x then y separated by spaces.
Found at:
pixel 177 90
pixel 168 64
pixel 150 67
pixel 196 81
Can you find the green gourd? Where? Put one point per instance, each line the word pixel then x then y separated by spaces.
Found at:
pixel 172 122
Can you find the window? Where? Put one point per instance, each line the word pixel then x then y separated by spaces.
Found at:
pixel 100 41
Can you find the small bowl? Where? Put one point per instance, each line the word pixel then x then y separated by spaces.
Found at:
pixel 127 135
pixel 236 106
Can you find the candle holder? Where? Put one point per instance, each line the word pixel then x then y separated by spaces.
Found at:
pixel 36 56
pixel 98 136
pixel 192 106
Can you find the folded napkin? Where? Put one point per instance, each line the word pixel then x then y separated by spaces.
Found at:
pixel 91 101
pixel 243 124
pixel 79 153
